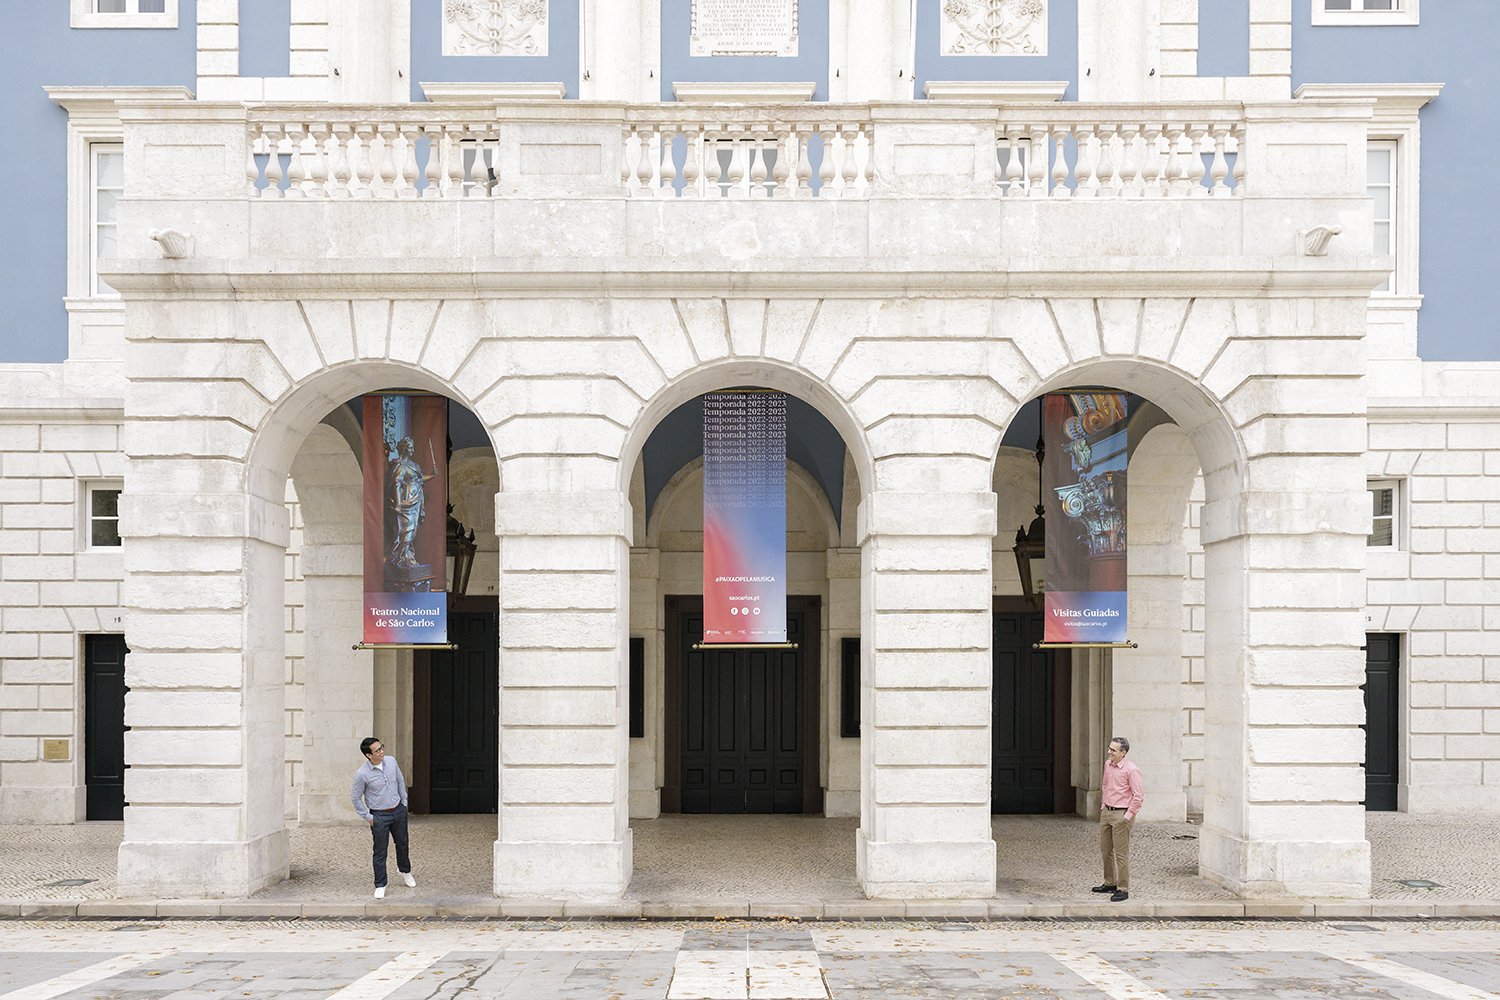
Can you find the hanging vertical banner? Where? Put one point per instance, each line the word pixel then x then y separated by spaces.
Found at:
pixel 1086 441
pixel 744 517
pixel 406 498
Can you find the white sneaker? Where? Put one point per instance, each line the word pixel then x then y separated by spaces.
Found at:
pixel 409 879
pixel 380 892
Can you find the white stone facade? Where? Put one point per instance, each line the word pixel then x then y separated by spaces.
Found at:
pixel 918 286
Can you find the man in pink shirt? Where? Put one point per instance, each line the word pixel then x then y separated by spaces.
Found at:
pixel 1120 800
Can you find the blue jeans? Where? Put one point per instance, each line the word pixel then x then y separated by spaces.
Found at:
pixel 388 826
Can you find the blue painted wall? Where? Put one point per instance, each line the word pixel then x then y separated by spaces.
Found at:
pixel 809 65
pixel 559 65
pixel 37 49
pixel 1060 62
pixel 1455 46
pixel 1224 38
pixel 266 38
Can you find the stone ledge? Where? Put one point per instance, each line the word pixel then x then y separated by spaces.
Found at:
pixel 834 910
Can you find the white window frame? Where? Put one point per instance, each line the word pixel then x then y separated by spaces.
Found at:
pixel 1398 518
pixel 82 14
pixel 1407 13
pixel 1396 119
pixel 86 510
pixel 95 149
pixel 1391 212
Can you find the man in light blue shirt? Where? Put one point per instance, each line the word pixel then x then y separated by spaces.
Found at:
pixel 379 796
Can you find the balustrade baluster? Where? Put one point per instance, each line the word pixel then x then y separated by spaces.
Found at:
pixel 1014 186
pixel 1152 168
pixel 317 184
pixel 1195 168
pixel 643 166
pixel 408 187
pixel 758 167
pixel 1060 187
pixel 1036 161
pixel 1107 159
pixel 1239 161
pixel 1220 169
pixel 802 150
pixel 692 162
pixel 387 188
pixel 476 178
pixel 869 171
pixel 1083 168
pixel 781 173
pixel 1130 163
pixel 736 163
pixel 847 134
pixel 715 169
pixel 361 162
pixel 1176 182
pixel 668 170
pixel 627 163
pixel 453 162
pixel 825 165
pixel 273 163
pixel 432 174
pixel 296 174
pixel 338 171
pixel 252 169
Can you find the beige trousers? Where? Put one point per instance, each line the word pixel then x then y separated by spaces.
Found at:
pixel 1114 845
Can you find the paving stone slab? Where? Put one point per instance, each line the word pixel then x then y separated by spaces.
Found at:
pixel 802 911
pixel 863 909
pixel 1478 908
pixel 612 909
pixel 1128 909
pixel 947 909
pixel 1279 908
pixel 1342 908
pixel 491 910
pixel 255 909
pixel 683 910
pixel 49 908
pixel 537 908
pixel 117 908
pixel 200 908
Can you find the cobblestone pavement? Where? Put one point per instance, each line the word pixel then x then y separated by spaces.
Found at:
pixel 736 960
pixel 776 858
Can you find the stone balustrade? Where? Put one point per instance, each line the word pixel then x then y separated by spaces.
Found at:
pixel 729 152
pixel 718 153
pixel 1094 151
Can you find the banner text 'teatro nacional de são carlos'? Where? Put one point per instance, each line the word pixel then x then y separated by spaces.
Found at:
pixel 405 518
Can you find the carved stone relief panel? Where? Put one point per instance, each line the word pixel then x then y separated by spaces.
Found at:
pixel 994 28
pixel 494 27
pixel 744 28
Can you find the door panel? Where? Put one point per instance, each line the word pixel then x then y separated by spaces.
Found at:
pixel 464 735
pixel 743 725
pixel 104 726
pixel 1021 729
pixel 1382 727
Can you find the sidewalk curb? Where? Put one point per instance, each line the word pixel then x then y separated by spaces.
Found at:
pixel 967 910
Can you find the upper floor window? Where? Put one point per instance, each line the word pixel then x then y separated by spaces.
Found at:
pixel 1364 11
pixel 123 14
pixel 107 161
pixel 1380 182
pixel 1385 526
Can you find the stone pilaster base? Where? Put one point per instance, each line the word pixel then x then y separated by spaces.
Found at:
pixel 926 870
pixel 231 870
pixel 324 809
pixel 1337 868
pixel 566 870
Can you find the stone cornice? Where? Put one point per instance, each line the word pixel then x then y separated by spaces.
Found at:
pixel 1400 410
pixel 61 410
pixel 1392 100
pixel 1110 277
pixel 103 103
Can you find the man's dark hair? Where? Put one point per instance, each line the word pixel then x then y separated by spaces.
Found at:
pixel 366 743
pixel 1124 743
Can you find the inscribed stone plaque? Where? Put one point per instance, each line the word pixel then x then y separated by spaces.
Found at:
pixel 994 28
pixel 744 28
pixel 56 750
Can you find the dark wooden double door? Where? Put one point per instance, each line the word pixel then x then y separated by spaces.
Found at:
pixel 1382 727
pixel 462 691
pixel 104 726
pixel 1027 721
pixel 746 720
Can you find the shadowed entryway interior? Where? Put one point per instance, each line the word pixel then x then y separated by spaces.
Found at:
pixel 742 724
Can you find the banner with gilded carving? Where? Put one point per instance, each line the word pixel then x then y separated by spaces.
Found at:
pixel 744 517
pixel 405 506
pixel 1086 442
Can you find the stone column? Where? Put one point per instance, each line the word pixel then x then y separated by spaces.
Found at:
pixel 1283 666
pixel 203 618
pixel 564 790
pixel 926 678
pixel 1091 718
pixel 338 689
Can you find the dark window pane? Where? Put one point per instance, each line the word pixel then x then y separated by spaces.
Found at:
pixel 637 687
pixel 153 6
pixel 1382 500
pixel 104 503
pixel 849 689
pixel 1337 4
pixel 104 531
pixel 109 6
pixel 1381 535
